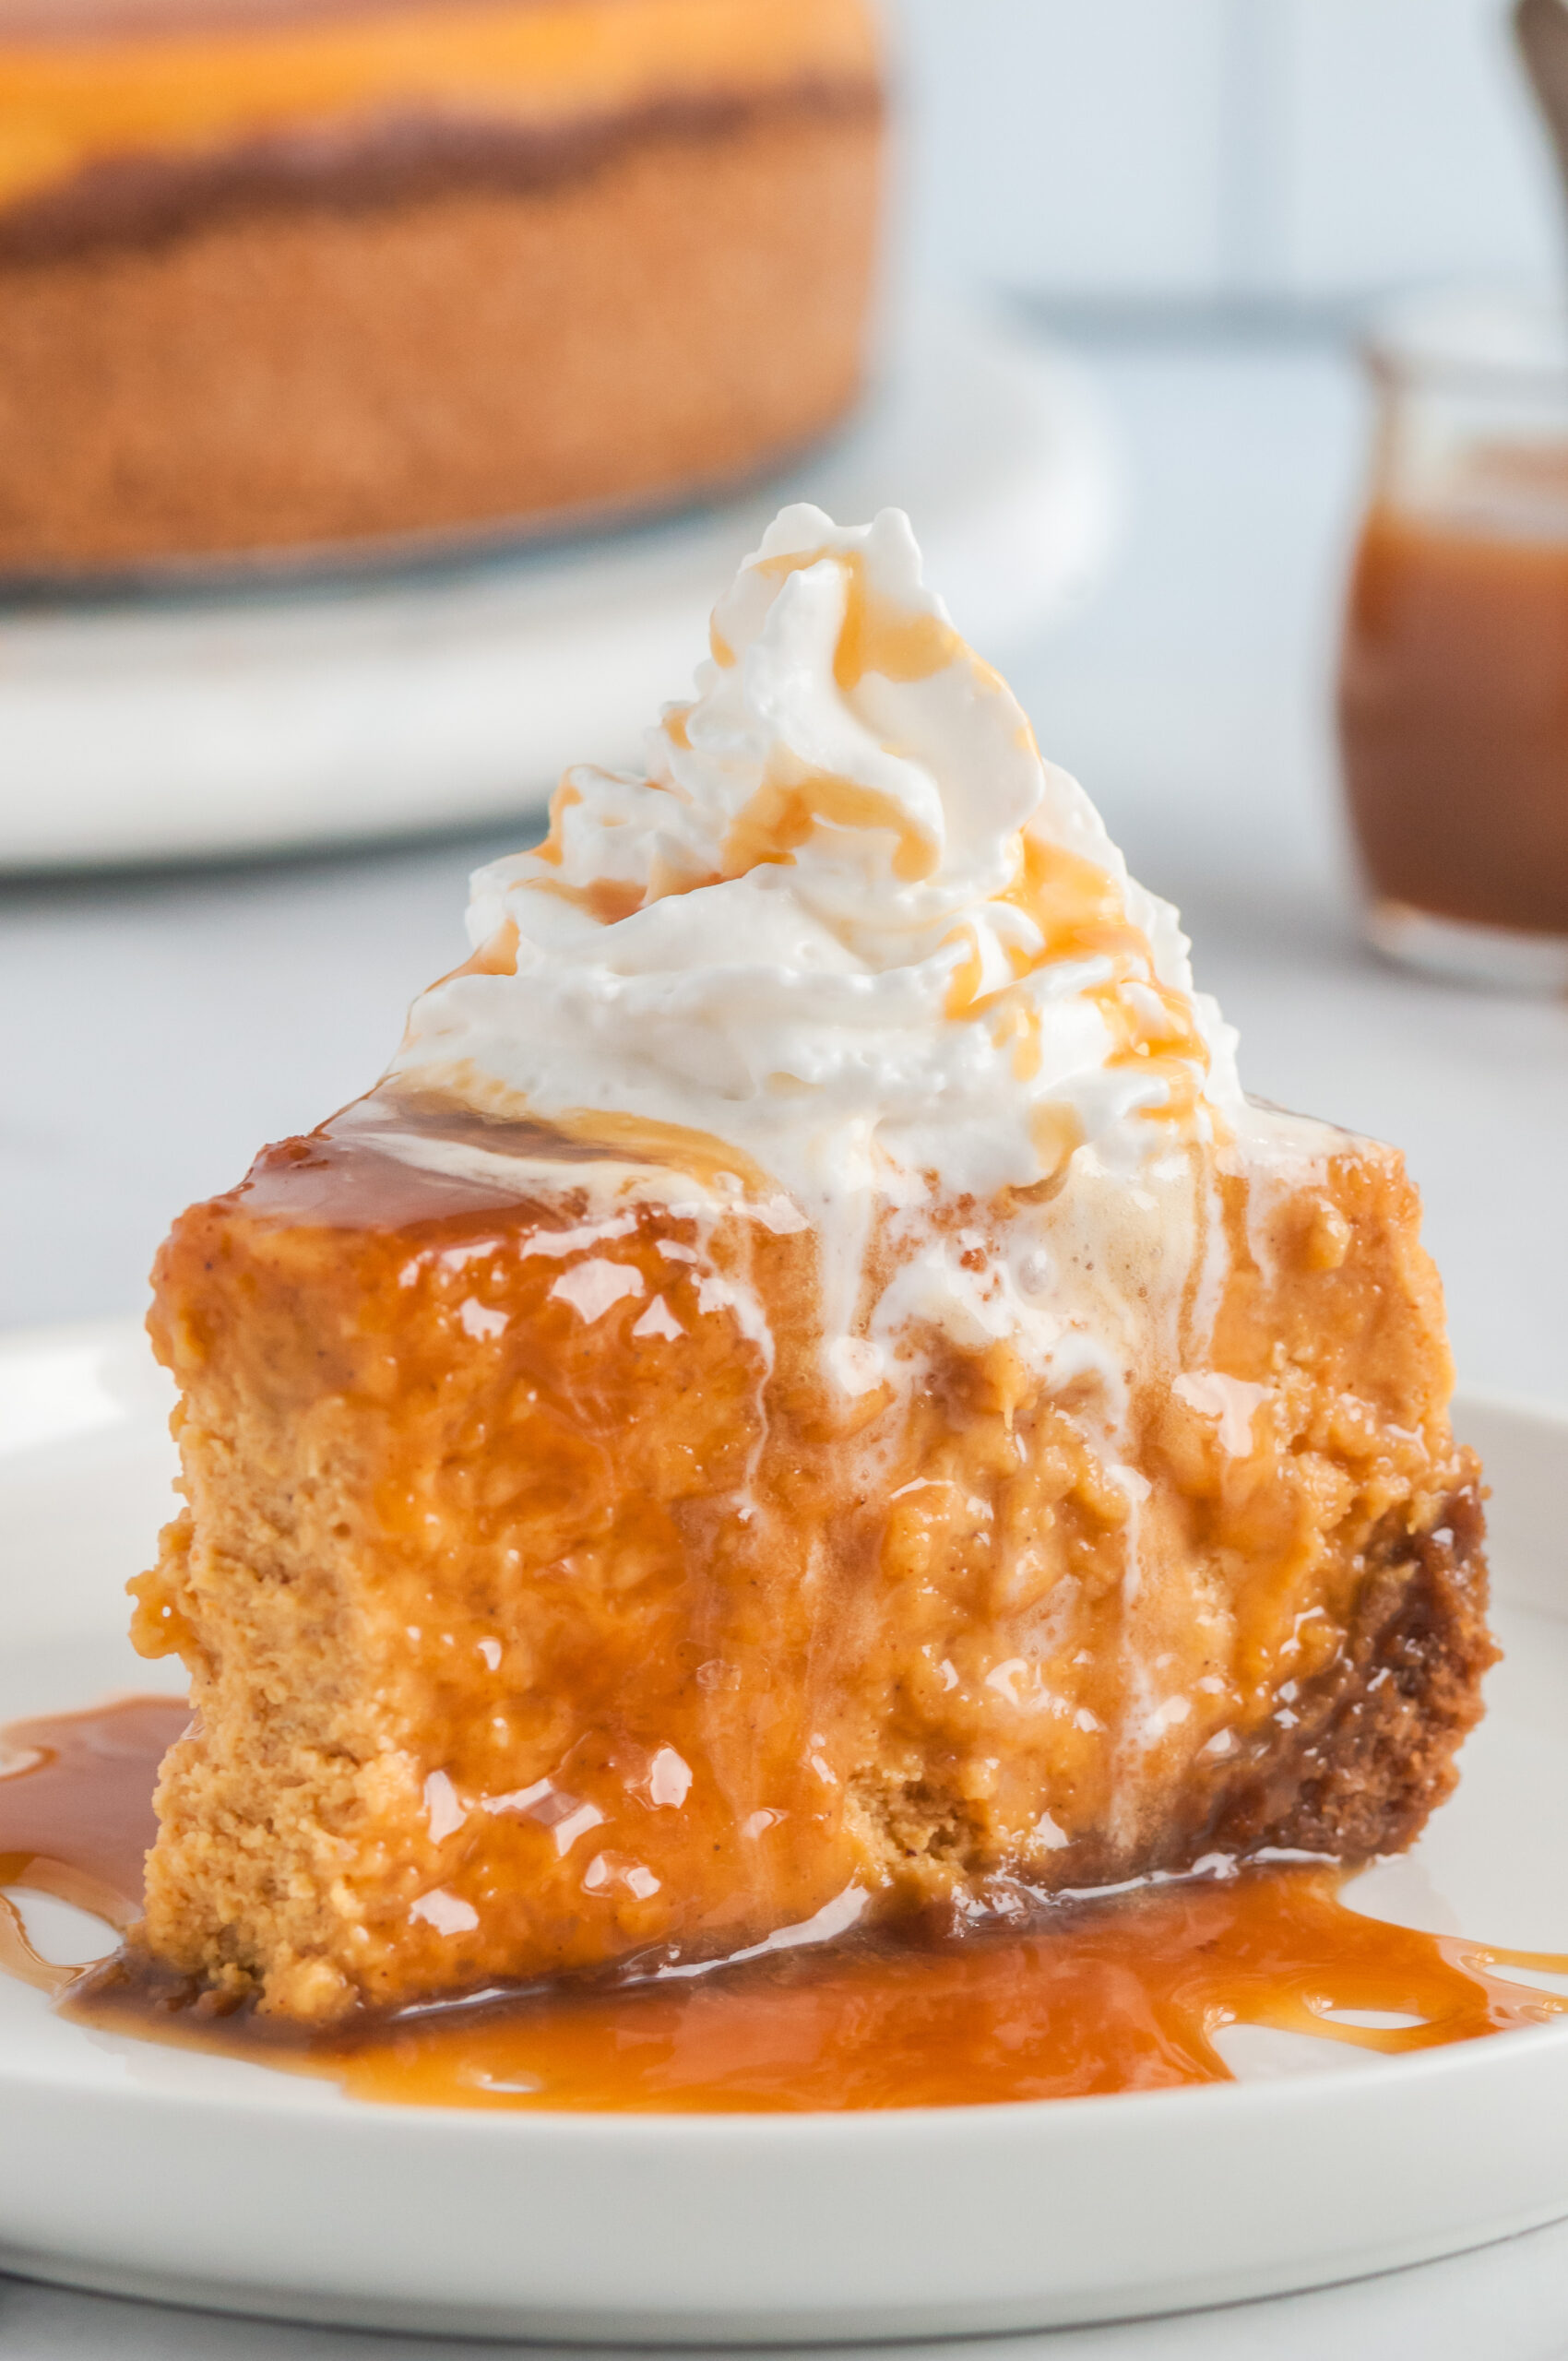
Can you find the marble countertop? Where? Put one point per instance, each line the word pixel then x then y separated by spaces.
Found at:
pixel 154 1029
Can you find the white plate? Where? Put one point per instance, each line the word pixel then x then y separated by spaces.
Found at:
pixel 248 719
pixel 157 2172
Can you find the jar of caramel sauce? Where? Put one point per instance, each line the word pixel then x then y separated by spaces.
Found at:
pixel 1454 687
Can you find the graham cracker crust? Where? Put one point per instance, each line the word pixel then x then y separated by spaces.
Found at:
pixel 1349 1766
pixel 1371 1754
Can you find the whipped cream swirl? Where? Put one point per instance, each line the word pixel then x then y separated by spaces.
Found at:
pixel 849 922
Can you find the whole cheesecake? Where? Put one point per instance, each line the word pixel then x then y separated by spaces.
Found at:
pixel 283 275
pixel 807 1395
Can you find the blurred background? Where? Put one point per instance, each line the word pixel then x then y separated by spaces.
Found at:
pixel 1282 157
pixel 1188 209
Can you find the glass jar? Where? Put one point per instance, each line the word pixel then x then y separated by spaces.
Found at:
pixel 1454 686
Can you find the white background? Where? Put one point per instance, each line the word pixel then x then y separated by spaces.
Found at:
pixel 1199 148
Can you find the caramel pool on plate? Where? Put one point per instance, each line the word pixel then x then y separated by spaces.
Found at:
pixel 1090 1996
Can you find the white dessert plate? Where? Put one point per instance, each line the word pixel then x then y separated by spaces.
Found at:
pixel 163 2173
pixel 255 717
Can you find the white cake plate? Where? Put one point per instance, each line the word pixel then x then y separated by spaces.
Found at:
pixel 248 719
pixel 162 2173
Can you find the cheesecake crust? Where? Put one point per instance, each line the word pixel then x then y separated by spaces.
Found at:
pixel 1373 1751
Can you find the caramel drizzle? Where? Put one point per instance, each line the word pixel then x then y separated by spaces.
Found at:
pixel 786 812
pixel 1079 912
pixel 792 803
pixel 497 956
pixel 874 637
pixel 606 899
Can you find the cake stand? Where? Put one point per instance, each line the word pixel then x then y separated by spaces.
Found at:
pixel 284 711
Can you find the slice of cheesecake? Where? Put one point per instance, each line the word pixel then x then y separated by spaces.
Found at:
pixel 807 1394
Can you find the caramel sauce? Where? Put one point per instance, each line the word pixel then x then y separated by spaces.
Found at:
pixel 1080 914
pixel 561 803
pixel 1454 717
pixel 77 1818
pixel 785 813
pixel 497 956
pixel 607 899
pixel 348 1175
pixel 877 636
pixel 1122 1992
pixel 185 79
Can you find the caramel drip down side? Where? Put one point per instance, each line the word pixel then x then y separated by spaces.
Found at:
pixel 77 1819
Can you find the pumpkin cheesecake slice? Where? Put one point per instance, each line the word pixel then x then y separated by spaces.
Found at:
pixel 807 1396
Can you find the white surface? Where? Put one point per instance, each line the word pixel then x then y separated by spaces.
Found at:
pixel 163 2172
pixel 1495 958
pixel 237 722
